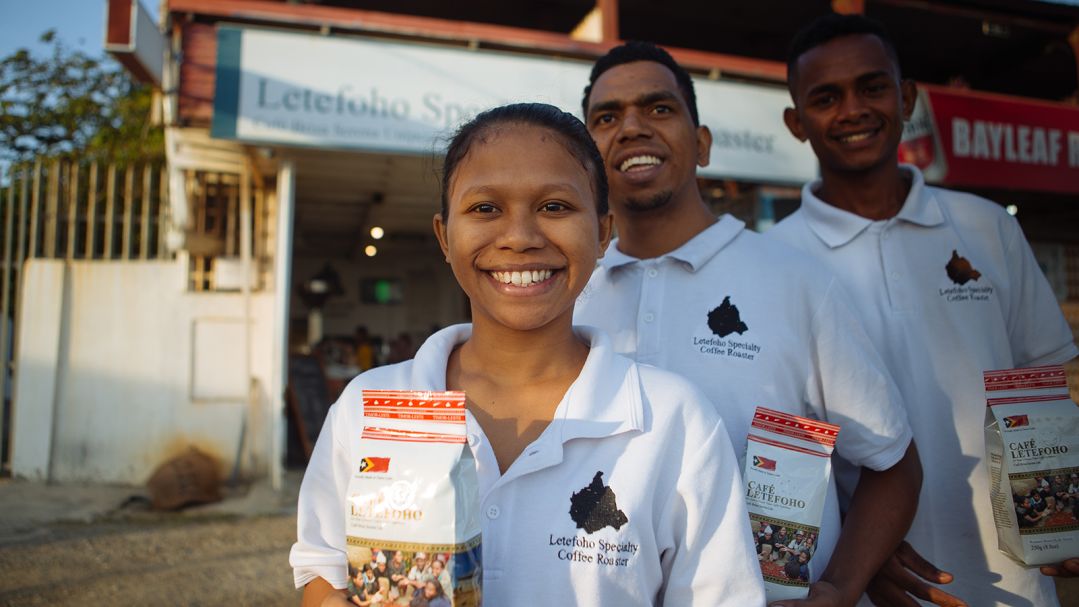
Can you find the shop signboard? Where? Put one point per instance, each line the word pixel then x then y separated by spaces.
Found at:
pixel 300 89
pixel 970 139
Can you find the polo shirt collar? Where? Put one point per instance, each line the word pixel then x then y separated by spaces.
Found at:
pixel 837 227
pixel 695 253
pixel 604 400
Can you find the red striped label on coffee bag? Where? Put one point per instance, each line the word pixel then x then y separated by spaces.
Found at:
pixel 1051 376
pixel 445 407
pixel 410 436
pixel 801 428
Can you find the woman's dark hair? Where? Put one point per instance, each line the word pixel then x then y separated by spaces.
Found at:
pixel 439 591
pixel 572 133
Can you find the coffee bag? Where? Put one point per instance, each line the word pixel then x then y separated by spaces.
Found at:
pixel 1032 448
pixel 413 500
pixel 787 473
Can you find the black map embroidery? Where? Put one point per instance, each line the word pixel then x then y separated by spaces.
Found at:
pixel 594 507
pixel 725 319
pixel 960 270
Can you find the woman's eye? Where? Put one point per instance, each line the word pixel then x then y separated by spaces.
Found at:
pixel 484 207
pixel 554 206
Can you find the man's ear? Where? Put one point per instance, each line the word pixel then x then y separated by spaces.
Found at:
pixel 704 146
pixel 909 91
pixel 794 123
pixel 606 232
pixel 439 226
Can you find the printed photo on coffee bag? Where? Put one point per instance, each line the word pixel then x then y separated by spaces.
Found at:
pixel 1032 447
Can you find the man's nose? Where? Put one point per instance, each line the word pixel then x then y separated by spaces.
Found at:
pixel 852 106
pixel 634 124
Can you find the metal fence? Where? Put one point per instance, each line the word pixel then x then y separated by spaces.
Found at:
pixel 70 209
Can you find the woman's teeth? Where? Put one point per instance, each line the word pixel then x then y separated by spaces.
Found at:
pixel 523 278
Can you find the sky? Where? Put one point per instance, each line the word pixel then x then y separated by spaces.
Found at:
pixel 80 24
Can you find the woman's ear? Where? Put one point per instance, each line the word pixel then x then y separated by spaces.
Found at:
pixel 439 226
pixel 606 232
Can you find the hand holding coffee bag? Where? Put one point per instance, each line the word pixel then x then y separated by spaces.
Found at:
pixel 787 472
pixel 1032 447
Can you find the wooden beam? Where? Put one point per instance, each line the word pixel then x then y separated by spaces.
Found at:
pixel 52 210
pixel 848 7
pixel 91 212
pixel 1046 23
pixel 72 209
pixel 534 41
pixel 1073 41
pixel 163 212
pixel 6 297
pixel 129 202
pixel 35 206
pixel 144 215
pixel 608 12
pixel 110 211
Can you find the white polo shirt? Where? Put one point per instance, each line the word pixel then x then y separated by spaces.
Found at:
pixel 790 345
pixel 678 535
pixel 937 336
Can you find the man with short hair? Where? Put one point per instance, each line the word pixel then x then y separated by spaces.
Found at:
pixel 902 250
pixel 745 318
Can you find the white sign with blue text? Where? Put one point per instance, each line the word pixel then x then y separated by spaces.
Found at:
pixel 299 89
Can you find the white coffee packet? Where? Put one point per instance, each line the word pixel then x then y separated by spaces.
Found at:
pixel 415 492
pixel 787 472
pixel 1032 448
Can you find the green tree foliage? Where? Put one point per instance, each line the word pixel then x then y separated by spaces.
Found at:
pixel 69 104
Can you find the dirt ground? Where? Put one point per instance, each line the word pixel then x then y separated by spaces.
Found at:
pixel 228 561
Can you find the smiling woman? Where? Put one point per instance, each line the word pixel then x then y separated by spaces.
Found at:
pixel 560 426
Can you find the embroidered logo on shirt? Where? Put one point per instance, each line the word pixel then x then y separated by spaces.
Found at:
pixel 594 507
pixel 722 322
pixel 960 270
pixel 725 319
pixel 375 464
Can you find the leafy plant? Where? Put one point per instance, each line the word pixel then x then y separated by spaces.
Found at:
pixel 70 104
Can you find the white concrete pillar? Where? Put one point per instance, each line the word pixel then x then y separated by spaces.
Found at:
pixel 286 204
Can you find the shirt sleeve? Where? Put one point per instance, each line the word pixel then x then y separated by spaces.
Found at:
pixel 715 562
pixel 852 387
pixel 1037 330
pixel 320 519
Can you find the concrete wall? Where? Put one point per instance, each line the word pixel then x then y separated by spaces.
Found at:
pixel 139 369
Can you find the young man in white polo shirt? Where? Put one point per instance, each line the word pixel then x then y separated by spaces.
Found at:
pixel 944 283
pixel 744 317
